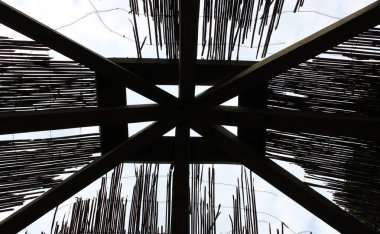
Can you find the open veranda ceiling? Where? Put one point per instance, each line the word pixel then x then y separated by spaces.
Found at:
pixel 201 113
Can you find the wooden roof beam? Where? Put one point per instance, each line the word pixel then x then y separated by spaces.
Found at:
pixel 164 151
pixel 28 121
pixel 181 197
pixel 166 72
pixel 297 121
pixel 39 32
pixel 188 37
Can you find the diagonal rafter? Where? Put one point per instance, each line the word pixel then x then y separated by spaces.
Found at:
pixel 297 121
pixel 280 62
pixel 282 180
pixel 24 24
pixel 73 184
pixel 28 121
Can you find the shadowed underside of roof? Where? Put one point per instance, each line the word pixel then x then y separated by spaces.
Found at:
pixel 323 84
pixel 342 80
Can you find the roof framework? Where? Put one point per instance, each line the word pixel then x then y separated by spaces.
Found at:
pixel 200 113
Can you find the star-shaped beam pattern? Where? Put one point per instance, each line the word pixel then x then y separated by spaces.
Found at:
pixel 200 113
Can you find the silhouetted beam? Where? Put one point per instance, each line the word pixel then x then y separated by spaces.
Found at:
pixel 254 136
pixel 110 94
pixel 297 121
pixel 163 151
pixel 28 121
pixel 280 62
pixel 283 180
pixel 180 203
pixel 166 72
pixel 73 184
pixel 24 24
pixel 188 37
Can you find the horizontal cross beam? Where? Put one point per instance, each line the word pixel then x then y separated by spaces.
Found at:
pixel 28 121
pixel 166 72
pixel 296 121
pixel 163 151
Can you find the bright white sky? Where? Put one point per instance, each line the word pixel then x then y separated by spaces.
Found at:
pixel 92 33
